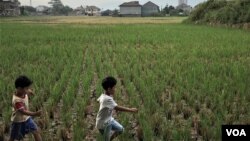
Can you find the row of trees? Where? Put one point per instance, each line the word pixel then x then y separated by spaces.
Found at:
pixel 167 10
pixel 57 9
pixel 172 11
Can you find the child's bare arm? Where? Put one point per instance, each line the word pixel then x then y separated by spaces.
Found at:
pixel 29 113
pixel 30 92
pixel 125 109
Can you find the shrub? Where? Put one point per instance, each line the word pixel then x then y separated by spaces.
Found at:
pixel 223 12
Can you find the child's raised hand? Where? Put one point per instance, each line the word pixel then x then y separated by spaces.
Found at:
pixel 30 92
pixel 135 110
pixel 39 113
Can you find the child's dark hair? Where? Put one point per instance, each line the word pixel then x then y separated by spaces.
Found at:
pixel 22 82
pixel 108 82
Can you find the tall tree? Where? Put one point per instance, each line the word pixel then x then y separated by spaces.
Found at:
pixel 168 9
pixel 57 6
pixel 165 10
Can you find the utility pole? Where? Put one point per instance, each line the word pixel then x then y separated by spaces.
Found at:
pixel 30 2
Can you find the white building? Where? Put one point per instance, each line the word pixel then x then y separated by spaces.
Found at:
pixel 79 11
pixel 92 11
pixel 132 8
pixel 183 2
pixel 41 8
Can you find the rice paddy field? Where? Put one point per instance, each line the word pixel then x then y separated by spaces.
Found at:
pixel 186 80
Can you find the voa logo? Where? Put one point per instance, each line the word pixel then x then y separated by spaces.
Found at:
pixel 236 132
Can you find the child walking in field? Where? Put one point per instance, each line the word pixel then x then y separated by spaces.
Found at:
pixel 22 122
pixel 105 123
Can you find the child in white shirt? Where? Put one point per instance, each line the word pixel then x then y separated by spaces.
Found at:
pixel 104 120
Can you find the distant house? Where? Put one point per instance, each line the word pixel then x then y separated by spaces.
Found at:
pixel 87 11
pixel 132 8
pixel 186 8
pixel 92 11
pixel 9 8
pixel 42 10
pixel 79 11
pixel 182 2
pixel 149 8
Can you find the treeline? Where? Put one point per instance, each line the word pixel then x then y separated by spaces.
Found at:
pixel 233 12
pixel 57 8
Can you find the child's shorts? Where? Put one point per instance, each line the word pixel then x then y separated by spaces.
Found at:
pixel 19 129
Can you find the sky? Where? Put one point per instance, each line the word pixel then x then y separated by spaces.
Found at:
pixel 107 4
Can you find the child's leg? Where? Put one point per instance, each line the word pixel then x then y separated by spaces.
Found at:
pixel 37 136
pixel 31 127
pixel 107 132
pixel 17 131
pixel 117 128
pixel 114 135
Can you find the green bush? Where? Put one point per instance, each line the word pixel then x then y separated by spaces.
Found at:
pixel 198 13
pixel 223 12
pixel 247 16
pixel 226 15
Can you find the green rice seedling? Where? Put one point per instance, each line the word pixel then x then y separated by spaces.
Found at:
pixel 199 78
